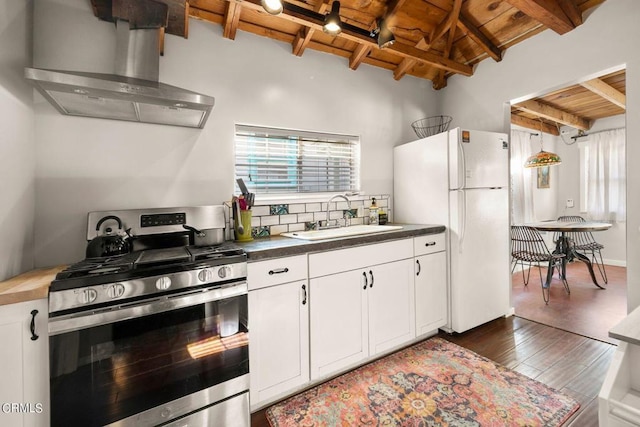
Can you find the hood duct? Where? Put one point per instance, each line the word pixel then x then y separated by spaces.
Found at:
pixel 133 93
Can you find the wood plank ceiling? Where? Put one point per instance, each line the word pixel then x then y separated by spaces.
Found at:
pixel 434 39
pixel 578 105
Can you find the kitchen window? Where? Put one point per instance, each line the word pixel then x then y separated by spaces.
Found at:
pixel 277 161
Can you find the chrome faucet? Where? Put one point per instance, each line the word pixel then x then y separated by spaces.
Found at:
pixel 337 196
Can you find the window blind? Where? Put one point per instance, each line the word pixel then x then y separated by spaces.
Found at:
pixel 289 161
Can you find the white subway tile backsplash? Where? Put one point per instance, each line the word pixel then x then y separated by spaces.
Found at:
pixel 297 208
pixel 299 226
pixel 260 210
pixel 276 218
pixel 288 219
pixel 335 214
pixel 279 229
pixel 270 220
pixel 319 216
pixel 305 217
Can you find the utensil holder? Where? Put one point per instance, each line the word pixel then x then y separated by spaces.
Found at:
pixel 245 220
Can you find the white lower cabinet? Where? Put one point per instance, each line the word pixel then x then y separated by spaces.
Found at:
pixel 431 292
pixel 24 364
pixel 363 311
pixel 279 333
pixel 339 321
pixel 338 309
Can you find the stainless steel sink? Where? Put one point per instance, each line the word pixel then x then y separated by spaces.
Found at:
pixel 334 233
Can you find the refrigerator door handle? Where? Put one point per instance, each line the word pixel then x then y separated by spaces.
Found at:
pixel 463 163
pixel 462 219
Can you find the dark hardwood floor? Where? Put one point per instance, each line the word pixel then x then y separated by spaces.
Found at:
pixel 571 363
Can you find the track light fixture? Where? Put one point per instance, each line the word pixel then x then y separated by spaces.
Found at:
pixel 384 34
pixel 332 23
pixel 272 7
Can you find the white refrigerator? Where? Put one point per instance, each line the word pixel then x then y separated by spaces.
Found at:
pixel 460 179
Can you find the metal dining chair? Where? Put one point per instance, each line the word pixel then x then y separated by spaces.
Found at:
pixel 584 242
pixel 528 247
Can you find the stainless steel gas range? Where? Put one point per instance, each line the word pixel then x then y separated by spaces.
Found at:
pixel 156 334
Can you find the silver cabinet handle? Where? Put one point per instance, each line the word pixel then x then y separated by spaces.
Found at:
pixel 419 267
pixel 278 271
pixel 364 274
pixel 371 274
pixel 304 294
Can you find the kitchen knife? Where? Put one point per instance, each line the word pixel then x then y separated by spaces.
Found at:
pixel 242 186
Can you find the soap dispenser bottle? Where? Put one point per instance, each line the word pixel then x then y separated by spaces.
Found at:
pixel 373 212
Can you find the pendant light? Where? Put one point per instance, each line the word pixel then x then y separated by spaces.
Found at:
pixel 332 23
pixel 543 158
pixel 272 7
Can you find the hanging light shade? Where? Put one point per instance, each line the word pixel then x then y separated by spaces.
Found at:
pixel 273 7
pixel 543 158
pixel 332 23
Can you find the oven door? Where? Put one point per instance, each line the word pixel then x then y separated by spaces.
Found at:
pixel 149 362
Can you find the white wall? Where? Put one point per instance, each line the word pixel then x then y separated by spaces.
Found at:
pixel 613 239
pixel 90 164
pixel 17 142
pixel 549 61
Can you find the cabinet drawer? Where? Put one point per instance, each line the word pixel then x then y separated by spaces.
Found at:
pixel 331 262
pixel 429 244
pixel 276 271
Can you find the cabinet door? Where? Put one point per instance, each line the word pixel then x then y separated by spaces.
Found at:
pixel 279 346
pixel 431 292
pixel 391 305
pixel 338 316
pixel 24 364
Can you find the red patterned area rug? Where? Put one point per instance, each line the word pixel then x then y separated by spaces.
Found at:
pixel 433 383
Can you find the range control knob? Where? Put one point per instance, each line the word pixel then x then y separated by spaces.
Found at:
pixel 224 271
pixel 87 296
pixel 163 283
pixel 115 291
pixel 205 275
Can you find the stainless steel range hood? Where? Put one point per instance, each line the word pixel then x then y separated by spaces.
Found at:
pixel 133 93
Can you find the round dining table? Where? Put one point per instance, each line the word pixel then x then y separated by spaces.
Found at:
pixel 564 245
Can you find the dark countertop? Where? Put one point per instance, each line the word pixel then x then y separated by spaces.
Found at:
pixel 279 246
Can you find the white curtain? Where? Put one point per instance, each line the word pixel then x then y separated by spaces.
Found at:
pixel 605 176
pixel 521 181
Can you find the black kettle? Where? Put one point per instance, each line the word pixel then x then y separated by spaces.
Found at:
pixel 109 244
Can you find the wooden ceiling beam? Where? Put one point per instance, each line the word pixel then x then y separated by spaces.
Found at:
pixel 406 64
pixel 440 80
pixel 548 12
pixel 321 7
pixel 606 91
pixel 478 36
pixel 361 36
pixel 392 7
pixel 450 21
pixel 536 125
pixel 301 41
pixel 551 113
pixel 573 12
pixel 231 20
pixel 359 54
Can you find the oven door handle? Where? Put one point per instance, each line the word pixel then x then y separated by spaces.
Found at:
pixel 84 320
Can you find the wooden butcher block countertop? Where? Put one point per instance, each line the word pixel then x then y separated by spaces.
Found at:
pixel 28 286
